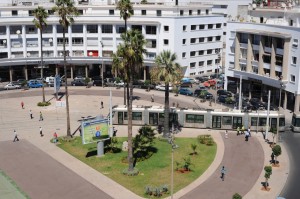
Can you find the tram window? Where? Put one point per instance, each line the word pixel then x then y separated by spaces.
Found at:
pixel 297 122
pixel 216 121
pixel 191 118
pixel 227 120
pixel 125 116
pixel 137 116
pixel 254 121
pixel 262 121
pixel 281 122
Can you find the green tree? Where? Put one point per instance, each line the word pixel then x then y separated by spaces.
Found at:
pixel 66 12
pixel 166 69
pixel 194 147
pixel 277 152
pixel 237 196
pixel 143 142
pixel 274 133
pixel 40 17
pixel 268 173
pixel 126 11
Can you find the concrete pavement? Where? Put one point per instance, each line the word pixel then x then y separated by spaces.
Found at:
pixel 13 117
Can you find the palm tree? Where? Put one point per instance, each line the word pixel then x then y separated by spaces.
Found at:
pixel 66 11
pixel 40 16
pixel 166 69
pixel 126 11
pixel 131 53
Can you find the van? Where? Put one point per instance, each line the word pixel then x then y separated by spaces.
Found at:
pixel 50 81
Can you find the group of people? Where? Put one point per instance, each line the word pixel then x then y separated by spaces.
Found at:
pixel 242 130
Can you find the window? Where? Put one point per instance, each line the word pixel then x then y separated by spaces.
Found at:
pixel 136 115
pixel 262 121
pixel 254 121
pixel 201 63
pixel 111 12
pixel 181 12
pixel 77 28
pixel 293 78
pixel 224 33
pixel 151 30
pixel 120 29
pixel 136 27
pixel 209 51
pixel 190 12
pixel 191 118
pixel 92 28
pixel 183 41
pixel 218 38
pixel 295 43
pixel 294 60
pixel 201 52
pixel 30 12
pixel 201 27
pixel 227 120
pixel 291 22
pixel 268 41
pixel 217 61
pixel 144 12
pixel 184 28
pixel 14 13
pixel 209 38
pixel 206 12
pixel 218 25
pixel 192 53
pixel 201 39
pixel 256 39
pixel 48 29
pixel 193 65
pixel 166 28
pixel 158 13
pixel 80 12
pixel 183 55
pixel 166 42
pixel 193 27
pixel 224 24
pixel 193 40
pixel 209 62
pixel 198 12
pixel 151 44
pixel 107 29
pixel 244 38
pixel 210 26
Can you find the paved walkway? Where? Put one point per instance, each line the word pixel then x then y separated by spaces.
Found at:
pixel 88 103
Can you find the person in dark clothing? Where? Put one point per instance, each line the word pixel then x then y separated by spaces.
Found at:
pixel 223 172
pixel 16 136
pixel 102 104
pixel 272 158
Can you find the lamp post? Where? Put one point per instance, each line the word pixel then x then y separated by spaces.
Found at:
pixel 282 86
pixel 220 59
pixel 101 43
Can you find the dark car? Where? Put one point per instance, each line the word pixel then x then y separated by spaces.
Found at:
pixel 78 82
pixel 225 99
pixel 97 81
pixel 257 104
pixel 185 91
pixel 186 85
pixel 198 91
pixel 224 92
pixel 205 95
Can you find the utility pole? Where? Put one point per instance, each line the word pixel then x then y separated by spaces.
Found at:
pixel 102 68
pixel 268 115
pixel 240 93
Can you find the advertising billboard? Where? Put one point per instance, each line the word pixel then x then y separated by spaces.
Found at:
pixel 94 130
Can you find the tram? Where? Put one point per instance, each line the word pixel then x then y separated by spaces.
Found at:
pixel 296 122
pixel 196 118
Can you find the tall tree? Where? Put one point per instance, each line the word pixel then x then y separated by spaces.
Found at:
pixel 126 11
pixel 129 57
pixel 168 70
pixel 40 16
pixel 66 12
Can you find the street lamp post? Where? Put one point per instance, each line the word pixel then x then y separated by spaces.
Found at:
pixel 282 86
pixel 220 59
pixel 102 65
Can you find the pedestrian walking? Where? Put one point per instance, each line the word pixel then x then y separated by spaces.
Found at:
pixel 102 104
pixel 16 136
pixel 22 105
pixel 223 172
pixel 30 113
pixel 238 131
pixel 243 130
pixel 55 137
pixel 246 136
pixel 226 134
pixel 152 98
pixel 41 116
pixel 249 132
pixel 41 132
pixel 272 158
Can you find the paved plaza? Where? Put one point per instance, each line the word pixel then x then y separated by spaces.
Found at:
pixel 42 170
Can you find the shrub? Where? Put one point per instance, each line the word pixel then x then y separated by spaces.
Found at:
pixel 134 172
pixel 236 196
pixel 187 163
pixel 67 138
pixel 277 152
pixel 210 142
pixel 44 103
pixel 206 139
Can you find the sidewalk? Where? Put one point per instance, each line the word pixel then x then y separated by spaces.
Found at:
pixel 13 117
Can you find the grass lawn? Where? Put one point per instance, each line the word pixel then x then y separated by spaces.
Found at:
pixel 156 171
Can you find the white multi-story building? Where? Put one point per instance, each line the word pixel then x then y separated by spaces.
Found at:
pixel 190 31
pixel 265 52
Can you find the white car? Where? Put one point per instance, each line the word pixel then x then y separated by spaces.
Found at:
pixel 163 88
pixel 11 86
pixel 119 84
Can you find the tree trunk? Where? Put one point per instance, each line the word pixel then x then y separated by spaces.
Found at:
pixel 66 84
pixel 42 64
pixel 129 115
pixel 166 112
pixel 127 75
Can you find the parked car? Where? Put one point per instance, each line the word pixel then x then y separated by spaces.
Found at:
pixel 186 84
pixel 79 78
pixel 205 94
pixel 97 81
pixel 224 92
pixel 198 91
pixel 121 83
pixel 11 86
pixel 163 87
pixel 257 104
pixel 224 99
pixel 78 82
pixel 185 91
pixel 34 84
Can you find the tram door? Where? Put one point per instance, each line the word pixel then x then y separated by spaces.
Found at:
pixel 120 118
pixel 237 122
pixel 153 118
pixel 216 121
pixel 273 123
